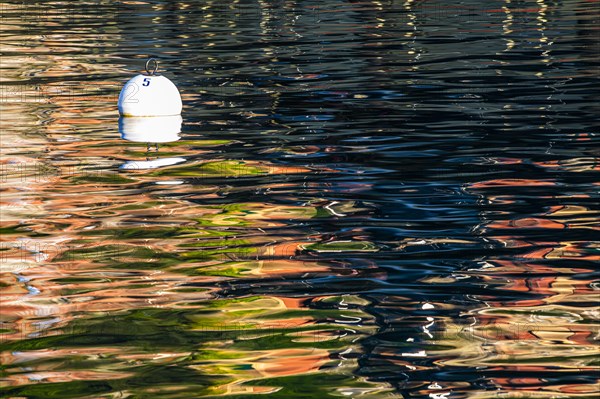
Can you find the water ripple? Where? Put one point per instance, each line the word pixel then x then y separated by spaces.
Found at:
pixel 365 200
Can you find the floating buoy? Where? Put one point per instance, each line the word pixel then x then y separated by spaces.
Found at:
pixel 149 94
pixel 161 129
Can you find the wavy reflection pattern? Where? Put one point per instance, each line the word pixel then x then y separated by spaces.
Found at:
pixel 364 199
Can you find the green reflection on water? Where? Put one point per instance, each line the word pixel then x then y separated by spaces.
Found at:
pixel 219 346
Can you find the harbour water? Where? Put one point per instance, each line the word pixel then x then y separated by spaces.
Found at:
pixel 367 199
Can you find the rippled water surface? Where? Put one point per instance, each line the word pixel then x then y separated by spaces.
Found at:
pixel 367 200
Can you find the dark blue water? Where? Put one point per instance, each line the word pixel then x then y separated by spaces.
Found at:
pixel 366 199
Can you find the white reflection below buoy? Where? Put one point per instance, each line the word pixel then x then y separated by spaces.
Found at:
pixel 160 129
pixel 151 163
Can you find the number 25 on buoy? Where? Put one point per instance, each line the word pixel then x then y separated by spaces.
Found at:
pixel 149 94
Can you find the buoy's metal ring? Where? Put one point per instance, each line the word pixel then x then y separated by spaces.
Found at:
pixel 155 66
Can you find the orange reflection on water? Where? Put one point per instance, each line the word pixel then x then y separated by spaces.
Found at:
pixel 548 321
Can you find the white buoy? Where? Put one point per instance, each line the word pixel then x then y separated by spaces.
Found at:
pixel 149 94
pixel 160 129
